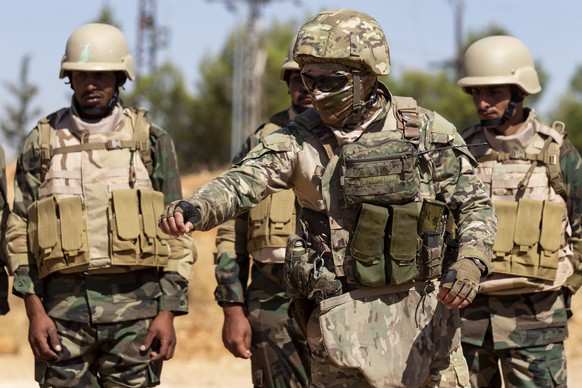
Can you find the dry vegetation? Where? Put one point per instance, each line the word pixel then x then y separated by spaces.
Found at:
pixel 200 359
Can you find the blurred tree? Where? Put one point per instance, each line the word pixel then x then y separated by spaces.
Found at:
pixel 569 109
pixel 200 123
pixel 20 116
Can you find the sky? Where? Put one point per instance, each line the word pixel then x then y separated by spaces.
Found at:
pixel 420 33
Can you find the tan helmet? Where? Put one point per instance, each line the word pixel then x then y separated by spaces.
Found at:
pixel 346 37
pixel 289 64
pixel 499 60
pixel 97 47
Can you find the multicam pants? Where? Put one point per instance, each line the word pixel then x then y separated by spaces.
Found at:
pixel 100 356
pixel 382 337
pixel 280 352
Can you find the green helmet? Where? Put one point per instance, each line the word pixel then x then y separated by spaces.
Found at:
pixel 346 37
pixel 97 47
pixel 499 60
pixel 289 64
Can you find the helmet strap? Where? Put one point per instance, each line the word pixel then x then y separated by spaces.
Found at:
pixel 516 98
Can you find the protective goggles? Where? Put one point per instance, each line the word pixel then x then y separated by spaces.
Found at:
pixel 325 83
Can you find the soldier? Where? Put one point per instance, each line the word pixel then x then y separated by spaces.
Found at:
pixel 514 330
pixel 280 355
pixel 101 284
pixel 4 213
pixel 374 175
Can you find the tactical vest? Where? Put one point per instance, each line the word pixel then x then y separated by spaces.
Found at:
pixel 96 206
pixel 529 196
pixel 384 225
pixel 272 221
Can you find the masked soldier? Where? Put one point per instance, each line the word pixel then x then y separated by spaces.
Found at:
pixel 376 177
pixel 280 355
pixel 101 284
pixel 515 329
pixel 4 213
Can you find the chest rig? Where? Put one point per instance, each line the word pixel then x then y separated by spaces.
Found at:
pixel 379 230
pixel 96 207
pixel 529 194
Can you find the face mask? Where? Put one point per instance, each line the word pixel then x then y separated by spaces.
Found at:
pixel 334 108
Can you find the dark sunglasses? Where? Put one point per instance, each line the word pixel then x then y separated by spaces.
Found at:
pixel 325 83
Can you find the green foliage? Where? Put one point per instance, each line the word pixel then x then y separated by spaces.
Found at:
pixel 19 117
pixel 439 93
pixel 200 123
pixel 569 110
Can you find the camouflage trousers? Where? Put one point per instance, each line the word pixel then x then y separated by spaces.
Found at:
pixel 280 352
pixel 529 367
pixel 386 337
pixel 103 355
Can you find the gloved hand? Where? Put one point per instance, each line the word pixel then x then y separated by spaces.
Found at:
pixel 176 216
pixel 460 284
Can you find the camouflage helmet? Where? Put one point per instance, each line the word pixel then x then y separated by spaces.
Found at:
pixel 289 64
pixel 346 37
pixel 97 47
pixel 499 60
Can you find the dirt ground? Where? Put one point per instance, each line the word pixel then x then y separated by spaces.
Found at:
pixel 200 359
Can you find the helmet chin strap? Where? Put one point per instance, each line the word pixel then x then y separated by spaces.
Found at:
pixel 516 98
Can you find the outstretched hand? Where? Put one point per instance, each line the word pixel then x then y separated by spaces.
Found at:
pixel 179 218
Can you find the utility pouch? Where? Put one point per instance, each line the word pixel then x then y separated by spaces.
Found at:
pixel 367 245
pixel 57 234
pixel 402 243
pixel 506 217
pixel 305 273
pixel 526 238
pixel 550 239
pixel 155 247
pixel 125 227
pixel 431 229
pixel 379 171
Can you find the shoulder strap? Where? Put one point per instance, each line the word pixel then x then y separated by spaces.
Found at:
pixel 141 136
pixel 45 136
pixel 311 120
pixel 407 114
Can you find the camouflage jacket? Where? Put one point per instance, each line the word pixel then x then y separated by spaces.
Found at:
pixel 166 291
pixel 232 257
pixel 5 211
pixel 294 158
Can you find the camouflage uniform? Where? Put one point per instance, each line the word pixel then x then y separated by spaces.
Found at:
pixel 104 292
pixel 523 327
pixel 5 211
pixel 513 333
pixel 280 355
pixel 394 332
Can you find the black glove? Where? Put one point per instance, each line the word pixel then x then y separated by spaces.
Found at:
pixel 189 211
pixel 462 279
